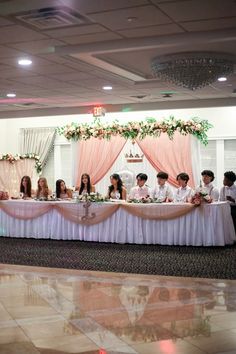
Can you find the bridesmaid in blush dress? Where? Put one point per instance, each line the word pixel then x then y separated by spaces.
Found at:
pixel 43 192
pixel 85 185
pixel 61 191
pixel 116 190
pixel 25 188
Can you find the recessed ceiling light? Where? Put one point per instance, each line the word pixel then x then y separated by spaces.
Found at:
pixel 107 87
pixel 11 95
pixel 24 61
pixel 221 79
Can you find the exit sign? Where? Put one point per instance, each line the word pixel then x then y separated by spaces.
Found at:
pixel 99 111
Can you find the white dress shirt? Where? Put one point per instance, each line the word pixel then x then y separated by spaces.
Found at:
pixel 228 192
pixel 162 192
pixel 139 192
pixel 183 194
pixel 211 191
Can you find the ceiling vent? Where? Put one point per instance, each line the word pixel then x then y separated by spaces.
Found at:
pixel 167 95
pixel 139 97
pixel 28 105
pixel 52 17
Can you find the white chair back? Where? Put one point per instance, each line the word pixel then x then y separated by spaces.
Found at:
pixel 128 179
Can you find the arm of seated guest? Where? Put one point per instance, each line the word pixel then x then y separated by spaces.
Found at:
pixel 131 193
pixel 124 193
pixel 230 199
pixel 222 194
pixel 215 195
pixel 69 193
pixel 33 195
pixel 169 195
pixel 153 193
pixel 108 194
pixel 190 196
pixel 92 189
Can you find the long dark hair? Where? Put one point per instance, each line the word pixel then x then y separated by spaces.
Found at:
pixel 28 187
pixel 58 187
pixel 82 185
pixel 119 184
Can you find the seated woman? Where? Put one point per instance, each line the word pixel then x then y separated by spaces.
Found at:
pixel 43 191
pixel 61 191
pixel 85 185
pixel 184 193
pixel 25 188
pixel 116 190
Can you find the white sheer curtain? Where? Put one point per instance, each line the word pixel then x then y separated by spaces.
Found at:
pixel 37 140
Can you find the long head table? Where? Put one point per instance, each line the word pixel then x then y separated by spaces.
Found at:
pixel 166 223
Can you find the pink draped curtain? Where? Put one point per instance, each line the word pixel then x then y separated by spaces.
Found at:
pixel 96 157
pixel 172 156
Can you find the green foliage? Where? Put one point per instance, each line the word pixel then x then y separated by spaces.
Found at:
pixel 137 130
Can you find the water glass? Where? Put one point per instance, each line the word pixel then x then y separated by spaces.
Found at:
pixel 74 195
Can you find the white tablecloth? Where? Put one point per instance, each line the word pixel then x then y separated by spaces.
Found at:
pixel 207 225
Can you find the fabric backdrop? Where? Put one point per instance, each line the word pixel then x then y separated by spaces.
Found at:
pixel 172 156
pixel 96 156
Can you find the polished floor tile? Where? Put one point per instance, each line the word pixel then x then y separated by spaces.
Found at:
pixel 50 311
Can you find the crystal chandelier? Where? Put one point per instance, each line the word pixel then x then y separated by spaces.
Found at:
pixel 192 70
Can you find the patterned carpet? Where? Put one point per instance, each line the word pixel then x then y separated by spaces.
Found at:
pixel 206 262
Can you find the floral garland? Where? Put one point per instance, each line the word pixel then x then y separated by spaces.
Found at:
pixel 92 197
pixel 13 158
pixel 137 130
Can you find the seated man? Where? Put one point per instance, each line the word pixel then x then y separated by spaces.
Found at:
pixel 207 179
pixel 228 192
pixel 184 193
pixel 162 192
pixel 141 191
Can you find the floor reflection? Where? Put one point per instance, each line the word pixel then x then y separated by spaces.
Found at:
pixel 57 310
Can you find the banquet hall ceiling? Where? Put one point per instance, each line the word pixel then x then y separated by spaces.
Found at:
pixel 87 44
